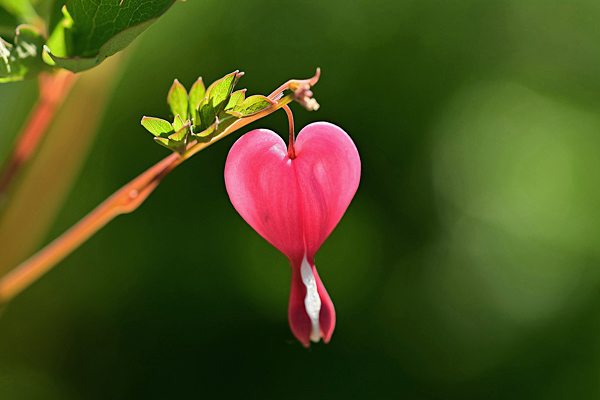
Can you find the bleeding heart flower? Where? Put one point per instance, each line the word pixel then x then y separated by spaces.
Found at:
pixel 294 203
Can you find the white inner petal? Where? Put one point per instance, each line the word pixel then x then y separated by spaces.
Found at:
pixel 312 301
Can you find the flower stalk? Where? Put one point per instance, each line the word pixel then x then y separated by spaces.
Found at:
pixel 54 88
pixel 127 199
pixel 291 151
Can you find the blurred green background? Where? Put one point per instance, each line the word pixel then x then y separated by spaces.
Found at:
pixel 467 266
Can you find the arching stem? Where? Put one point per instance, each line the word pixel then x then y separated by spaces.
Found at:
pixel 291 151
pixel 130 197
pixel 54 87
pixel 295 84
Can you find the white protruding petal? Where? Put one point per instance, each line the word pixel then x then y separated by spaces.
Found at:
pixel 312 301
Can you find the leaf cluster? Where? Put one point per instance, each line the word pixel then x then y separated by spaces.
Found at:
pixel 77 35
pixel 203 113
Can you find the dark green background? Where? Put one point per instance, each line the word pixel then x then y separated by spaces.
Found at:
pixel 467 266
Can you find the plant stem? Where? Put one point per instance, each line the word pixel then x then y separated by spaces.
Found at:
pixel 125 200
pixel 291 150
pixel 54 87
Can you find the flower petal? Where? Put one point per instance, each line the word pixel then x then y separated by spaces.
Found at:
pixel 295 204
pixel 311 313
pixel 262 185
pixel 328 172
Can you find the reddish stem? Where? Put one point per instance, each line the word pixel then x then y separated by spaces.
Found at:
pixel 53 90
pixel 293 84
pixel 125 200
pixel 291 150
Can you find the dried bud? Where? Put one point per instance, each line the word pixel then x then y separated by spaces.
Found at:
pixel 303 95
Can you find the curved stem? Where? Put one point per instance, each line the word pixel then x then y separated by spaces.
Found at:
pixel 54 87
pixel 291 150
pixel 195 147
pixel 293 84
pixel 125 200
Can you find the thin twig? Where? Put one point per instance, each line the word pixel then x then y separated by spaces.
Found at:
pixel 291 150
pixel 54 88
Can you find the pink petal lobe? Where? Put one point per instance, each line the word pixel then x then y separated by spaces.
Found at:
pixel 295 204
pixel 328 172
pixel 262 185
pixel 298 318
pixel 327 314
pixel 300 322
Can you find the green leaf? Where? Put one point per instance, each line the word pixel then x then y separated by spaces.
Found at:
pixel 227 119
pixel 28 43
pixel 102 28
pixel 20 9
pixel 234 113
pixel 157 127
pixel 177 123
pixel 253 104
pixel 221 124
pixel 53 13
pixel 207 114
pixel 236 99
pixel 220 91
pixel 60 38
pixel 178 147
pixel 163 142
pixel 178 100
pixel 206 134
pixel 196 96
pixel 24 58
pixel 181 134
pixel 7 64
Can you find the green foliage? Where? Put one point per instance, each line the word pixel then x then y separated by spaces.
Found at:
pixel 177 141
pixel 97 22
pixel 218 93
pixel 101 29
pixel 177 122
pixel 181 130
pixel 195 98
pixel 52 13
pixel 207 134
pixel 85 35
pixel 23 58
pixel 206 113
pixel 211 111
pixel 236 99
pixel 465 268
pixel 21 10
pixel 178 100
pixel 252 105
pixel 157 127
pixel 172 136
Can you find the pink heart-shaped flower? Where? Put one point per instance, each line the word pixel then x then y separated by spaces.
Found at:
pixel 295 204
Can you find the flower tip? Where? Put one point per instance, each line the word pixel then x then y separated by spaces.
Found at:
pixel 313 81
pixel 311 314
pixel 303 95
pixel 311 104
